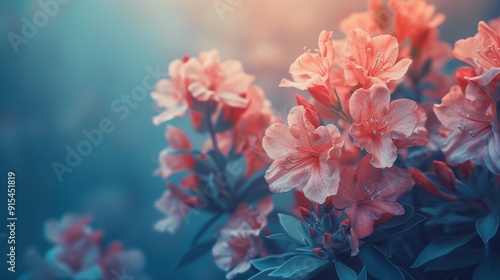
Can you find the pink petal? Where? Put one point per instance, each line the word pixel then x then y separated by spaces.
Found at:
pixel 402 118
pixel 383 152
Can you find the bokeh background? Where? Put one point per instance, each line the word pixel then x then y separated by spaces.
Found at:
pixel 92 52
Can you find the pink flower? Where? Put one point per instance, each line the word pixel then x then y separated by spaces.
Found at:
pixel 377 122
pixel 419 136
pixel 176 157
pixel 367 193
pixel 170 94
pixel 69 229
pixel 312 68
pixel 415 20
pixel 305 155
pixel 375 21
pixel 472 125
pixel 117 260
pixel 174 205
pixel 239 241
pixel 371 61
pixel 202 79
pixel 209 79
pixel 483 50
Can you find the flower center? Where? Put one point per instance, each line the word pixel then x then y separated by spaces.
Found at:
pixel 488 58
pixel 377 61
pixel 306 156
pixel 371 195
pixel 376 127
pixel 473 126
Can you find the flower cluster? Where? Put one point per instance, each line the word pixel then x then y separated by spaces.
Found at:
pixel 224 175
pixel 394 164
pixel 77 253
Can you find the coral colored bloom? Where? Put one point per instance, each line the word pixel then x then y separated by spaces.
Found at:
pixel 371 61
pixel 69 229
pixel 375 21
pixel 420 135
pixel 176 157
pixel 473 128
pixel 201 79
pixel 367 193
pixel 305 155
pixel 312 68
pixel 240 241
pixel 483 50
pixel 170 94
pixel 377 123
pixel 415 20
pixel 173 205
pixel 209 79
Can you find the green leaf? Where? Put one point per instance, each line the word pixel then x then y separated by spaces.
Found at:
pixel 196 252
pixel 362 275
pixel 399 220
pixel 281 236
pixel 409 224
pixel 299 267
pixel 263 275
pixel 344 272
pixel 487 226
pixel 272 261
pixel 377 264
pixel 489 269
pixel 206 225
pixel 294 228
pixel 456 259
pixel 440 247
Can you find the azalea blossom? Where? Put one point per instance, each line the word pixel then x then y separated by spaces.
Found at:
pixel 377 123
pixel 305 155
pixel 77 254
pixel 415 20
pixel 312 68
pixel 482 51
pixel 175 157
pixel 170 94
pixel 208 78
pixel 175 205
pixel 201 79
pixel 366 193
pixel 375 21
pixel 471 120
pixel 68 229
pixel 371 61
pixel 239 241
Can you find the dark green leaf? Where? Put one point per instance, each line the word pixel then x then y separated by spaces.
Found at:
pixel 206 225
pixel 362 275
pixel 263 275
pixel 409 224
pixel 196 252
pixel 377 264
pixel 294 228
pixel 344 272
pixel 272 261
pixel 489 269
pixel 281 236
pixel 441 247
pixel 299 266
pixel 487 226
pixel 456 259
pixel 398 220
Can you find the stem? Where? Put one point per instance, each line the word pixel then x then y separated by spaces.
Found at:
pixel 211 131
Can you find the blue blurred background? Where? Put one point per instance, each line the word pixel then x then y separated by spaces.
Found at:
pixel 89 54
